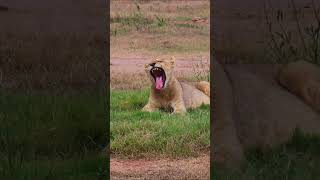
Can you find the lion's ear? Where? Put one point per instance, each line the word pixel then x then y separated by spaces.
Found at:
pixel 172 60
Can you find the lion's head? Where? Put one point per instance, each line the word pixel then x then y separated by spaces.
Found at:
pixel 160 72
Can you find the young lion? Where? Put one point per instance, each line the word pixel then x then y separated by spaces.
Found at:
pixel 251 110
pixel 303 79
pixel 167 91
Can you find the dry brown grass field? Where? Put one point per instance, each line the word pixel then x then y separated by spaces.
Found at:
pixel 52 45
pixel 51 61
pixel 241 32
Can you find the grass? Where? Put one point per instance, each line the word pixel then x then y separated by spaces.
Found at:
pixel 297 159
pixel 142 134
pixel 48 136
pixel 136 21
pixel 83 168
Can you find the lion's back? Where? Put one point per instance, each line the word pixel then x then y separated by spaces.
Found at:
pixel 193 97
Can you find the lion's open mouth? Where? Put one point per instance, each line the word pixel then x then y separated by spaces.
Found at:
pixel 159 77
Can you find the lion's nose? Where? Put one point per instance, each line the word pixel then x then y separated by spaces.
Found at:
pixel 152 64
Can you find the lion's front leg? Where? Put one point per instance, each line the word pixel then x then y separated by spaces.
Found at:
pixel 150 107
pixel 179 107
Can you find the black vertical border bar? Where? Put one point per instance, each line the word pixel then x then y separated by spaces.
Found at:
pixel 212 86
pixel 106 85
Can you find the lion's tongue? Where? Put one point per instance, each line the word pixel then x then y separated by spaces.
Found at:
pixel 159 82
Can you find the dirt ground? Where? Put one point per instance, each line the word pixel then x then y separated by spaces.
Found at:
pixel 191 168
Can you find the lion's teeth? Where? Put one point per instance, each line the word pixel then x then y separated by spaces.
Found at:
pixel 155 69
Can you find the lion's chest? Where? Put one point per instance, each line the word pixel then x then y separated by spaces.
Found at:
pixel 164 98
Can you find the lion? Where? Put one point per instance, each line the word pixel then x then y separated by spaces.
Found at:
pixel 253 110
pixel 303 79
pixel 168 91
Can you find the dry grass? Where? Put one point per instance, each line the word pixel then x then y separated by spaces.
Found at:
pixel 241 31
pixel 154 27
pixel 47 60
pixel 132 76
pixel 122 81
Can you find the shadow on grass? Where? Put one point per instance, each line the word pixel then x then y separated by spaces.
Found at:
pixel 297 159
pixel 45 136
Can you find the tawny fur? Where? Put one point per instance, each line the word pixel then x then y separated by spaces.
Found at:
pixel 303 79
pixel 204 86
pixel 177 95
pixel 252 111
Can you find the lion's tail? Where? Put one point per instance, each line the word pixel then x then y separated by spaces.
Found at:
pixel 204 86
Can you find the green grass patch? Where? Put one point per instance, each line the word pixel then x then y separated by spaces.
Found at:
pixel 297 159
pixel 48 136
pixel 136 19
pixel 123 24
pixel 136 133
